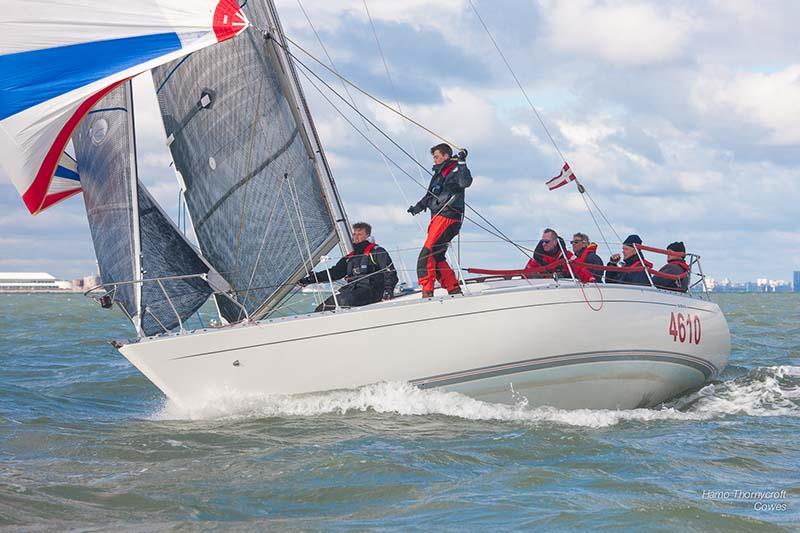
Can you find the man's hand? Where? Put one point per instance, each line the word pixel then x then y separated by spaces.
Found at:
pixel 304 281
pixel 415 209
pixel 614 258
pixel 387 295
pixel 462 154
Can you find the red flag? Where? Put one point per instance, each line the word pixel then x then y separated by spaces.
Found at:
pixel 562 179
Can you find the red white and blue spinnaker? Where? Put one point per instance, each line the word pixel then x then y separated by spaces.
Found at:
pixel 58 58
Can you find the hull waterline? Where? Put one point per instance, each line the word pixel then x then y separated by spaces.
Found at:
pixel 537 343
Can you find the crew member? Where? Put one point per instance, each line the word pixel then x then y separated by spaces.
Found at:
pixel 368 270
pixel 676 265
pixel 445 200
pixel 630 259
pixel 549 252
pixel 586 252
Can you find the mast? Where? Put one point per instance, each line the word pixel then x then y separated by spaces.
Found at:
pixel 302 113
pixel 137 240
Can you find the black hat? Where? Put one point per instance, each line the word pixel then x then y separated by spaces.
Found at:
pixel 630 240
pixel 677 247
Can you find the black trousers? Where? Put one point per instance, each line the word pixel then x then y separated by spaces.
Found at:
pixel 351 297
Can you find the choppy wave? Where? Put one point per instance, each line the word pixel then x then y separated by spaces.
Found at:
pixel 765 391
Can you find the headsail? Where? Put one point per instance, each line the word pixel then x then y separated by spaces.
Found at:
pixel 58 59
pixel 263 208
pixel 133 238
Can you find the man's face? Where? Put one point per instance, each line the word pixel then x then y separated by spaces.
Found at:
pixel 549 242
pixel 439 157
pixel 359 235
pixel 578 244
pixel 628 251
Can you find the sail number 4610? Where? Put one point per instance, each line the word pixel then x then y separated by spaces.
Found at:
pixel 685 328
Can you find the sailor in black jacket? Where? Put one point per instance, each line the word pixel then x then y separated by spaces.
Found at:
pixel 368 270
pixel 445 201
pixel 676 265
pixel 633 260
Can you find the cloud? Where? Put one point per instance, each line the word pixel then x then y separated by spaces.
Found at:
pixel 680 118
pixel 770 102
pixel 620 33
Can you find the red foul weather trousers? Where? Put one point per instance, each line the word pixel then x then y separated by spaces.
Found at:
pixel 432 265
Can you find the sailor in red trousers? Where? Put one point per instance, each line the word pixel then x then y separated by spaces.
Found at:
pixel 445 200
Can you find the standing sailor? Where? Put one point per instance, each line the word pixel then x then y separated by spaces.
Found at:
pixel 368 270
pixel 445 200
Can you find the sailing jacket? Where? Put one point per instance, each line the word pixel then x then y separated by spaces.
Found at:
pixel 368 266
pixel 638 277
pixel 675 266
pixel 445 194
pixel 588 255
pixel 542 257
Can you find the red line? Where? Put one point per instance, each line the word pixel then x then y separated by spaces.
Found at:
pixel 52 199
pixel 35 196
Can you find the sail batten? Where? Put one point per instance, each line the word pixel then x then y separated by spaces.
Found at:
pixel 237 139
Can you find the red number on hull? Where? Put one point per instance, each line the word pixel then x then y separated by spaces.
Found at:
pixel 685 328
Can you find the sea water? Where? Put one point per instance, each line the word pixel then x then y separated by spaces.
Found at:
pixel 86 442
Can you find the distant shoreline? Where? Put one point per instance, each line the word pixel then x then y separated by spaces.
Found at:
pixel 43 291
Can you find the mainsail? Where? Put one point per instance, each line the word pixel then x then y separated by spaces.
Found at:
pixel 263 204
pixel 58 59
pixel 134 240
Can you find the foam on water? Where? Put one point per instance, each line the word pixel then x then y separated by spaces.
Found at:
pixel 766 391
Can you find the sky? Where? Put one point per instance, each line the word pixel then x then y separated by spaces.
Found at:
pixel 682 120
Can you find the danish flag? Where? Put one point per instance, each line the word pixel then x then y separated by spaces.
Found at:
pixel 562 179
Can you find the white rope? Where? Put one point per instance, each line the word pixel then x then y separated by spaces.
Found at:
pixel 304 233
pixel 297 241
pixel 264 240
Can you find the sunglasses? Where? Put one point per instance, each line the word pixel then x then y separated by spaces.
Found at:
pixel 576 241
pixel 545 241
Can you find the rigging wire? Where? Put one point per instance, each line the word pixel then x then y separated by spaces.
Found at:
pixel 390 78
pixel 499 235
pixel 267 227
pixel 296 239
pixel 305 68
pixel 591 213
pixel 362 91
pixel 619 239
pixel 513 74
pixel 296 201
pixel 411 140
pixel 353 102
pixel 581 189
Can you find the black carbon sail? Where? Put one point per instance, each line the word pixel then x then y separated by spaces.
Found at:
pixel 263 205
pixel 133 238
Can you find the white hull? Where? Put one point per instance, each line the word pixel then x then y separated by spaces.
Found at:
pixel 513 340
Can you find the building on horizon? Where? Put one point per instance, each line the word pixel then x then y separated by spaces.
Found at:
pixel 32 282
pixel 90 281
pixel 796 281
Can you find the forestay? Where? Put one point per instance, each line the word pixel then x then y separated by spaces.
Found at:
pixel 58 59
pixel 133 239
pixel 251 169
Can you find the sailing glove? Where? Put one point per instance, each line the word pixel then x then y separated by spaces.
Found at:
pixel 388 295
pixel 416 209
pixel 462 154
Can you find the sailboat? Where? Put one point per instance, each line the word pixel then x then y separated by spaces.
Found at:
pixel 265 210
